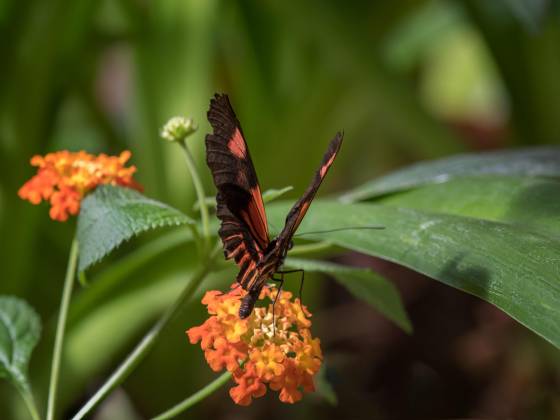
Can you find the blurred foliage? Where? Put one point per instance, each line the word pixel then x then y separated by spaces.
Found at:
pixel 406 80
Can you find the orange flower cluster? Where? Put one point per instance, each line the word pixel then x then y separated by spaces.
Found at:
pixel 255 351
pixel 64 178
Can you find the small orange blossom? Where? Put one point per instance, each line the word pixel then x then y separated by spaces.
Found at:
pixel 256 352
pixel 64 178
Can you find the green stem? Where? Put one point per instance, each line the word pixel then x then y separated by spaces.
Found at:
pixel 29 403
pixel 196 397
pixel 199 191
pixel 61 327
pixel 146 344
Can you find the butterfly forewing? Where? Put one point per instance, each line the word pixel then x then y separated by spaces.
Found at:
pixel 297 212
pixel 244 230
pixel 235 178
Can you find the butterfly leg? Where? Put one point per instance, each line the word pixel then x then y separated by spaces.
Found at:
pixel 300 284
pixel 281 281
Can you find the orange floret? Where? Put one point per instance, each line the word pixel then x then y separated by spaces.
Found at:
pixel 261 350
pixel 64 178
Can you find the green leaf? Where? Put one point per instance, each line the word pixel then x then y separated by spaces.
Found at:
pixel 365 285
pixel 541 161
pixel 111 215
pixel 20 328
pixel 105 284
pixel 523 201
pixel 504 264
pixel 273 194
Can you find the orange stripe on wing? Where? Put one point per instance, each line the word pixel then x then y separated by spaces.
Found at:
pixel 302 212
pixel 247 274
pixel 237 250
pixel 236 145
pixel 252 282
pixel 255 217
pixel 245 258
pixel 326 166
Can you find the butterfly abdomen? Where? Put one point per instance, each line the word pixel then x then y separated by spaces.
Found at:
pixel 248 303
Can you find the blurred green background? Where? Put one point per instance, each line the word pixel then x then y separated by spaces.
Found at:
pixel 407 81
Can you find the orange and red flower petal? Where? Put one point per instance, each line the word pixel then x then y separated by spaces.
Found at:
pixel 64 178
pixel 283 356
pixel 249 386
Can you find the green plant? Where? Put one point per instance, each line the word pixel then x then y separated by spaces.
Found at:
pixel 483 223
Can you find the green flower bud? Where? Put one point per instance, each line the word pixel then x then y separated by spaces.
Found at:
pixel 178 129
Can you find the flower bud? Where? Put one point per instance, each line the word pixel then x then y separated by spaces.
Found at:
pixel 178 129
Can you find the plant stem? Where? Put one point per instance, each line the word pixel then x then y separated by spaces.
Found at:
pixel 196 397
pixel 29 402
pixel 146 344
pixel 61 327
pixel 199 191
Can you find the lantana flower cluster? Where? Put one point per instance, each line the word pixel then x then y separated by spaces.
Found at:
pixel 64 178
pixel 257 352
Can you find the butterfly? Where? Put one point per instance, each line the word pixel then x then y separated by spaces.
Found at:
pixel 240 207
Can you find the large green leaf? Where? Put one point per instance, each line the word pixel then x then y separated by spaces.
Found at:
pixel 506 265
pixel 20 328
pixel 364 284
pixel 112 215
pixel 542 161
pixel 524 201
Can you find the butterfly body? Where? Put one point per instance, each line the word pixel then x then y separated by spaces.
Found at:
pixel 244 228
pixel 269 264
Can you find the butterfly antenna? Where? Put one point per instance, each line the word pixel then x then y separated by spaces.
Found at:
pixel 340 229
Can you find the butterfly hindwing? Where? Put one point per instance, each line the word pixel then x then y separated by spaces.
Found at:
pixel 238 244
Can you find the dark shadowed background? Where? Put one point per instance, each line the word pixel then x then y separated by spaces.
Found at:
pixel 407 81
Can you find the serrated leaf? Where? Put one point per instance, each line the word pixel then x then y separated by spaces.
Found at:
pixel 542 161
pixel 111 215
pixel 365 285
pixel 512 268
pixel 20 328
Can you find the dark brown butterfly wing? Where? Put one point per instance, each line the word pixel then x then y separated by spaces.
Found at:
pixel 297 212
pixel 238 244
pixel 244 229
